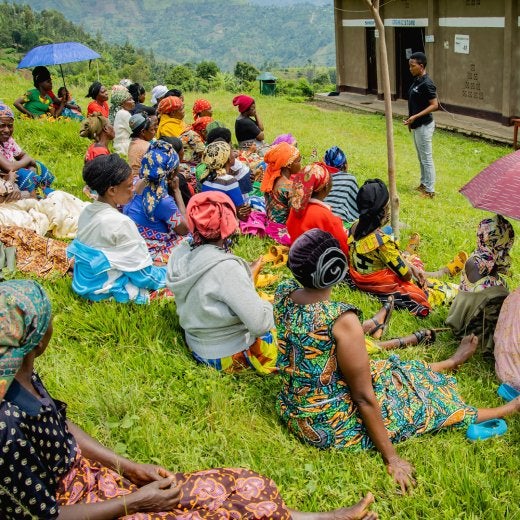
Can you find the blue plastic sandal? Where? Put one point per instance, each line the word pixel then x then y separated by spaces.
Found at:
pixel 507 392
pixel 486 430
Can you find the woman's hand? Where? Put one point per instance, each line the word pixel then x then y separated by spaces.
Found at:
pixel 161 495
pixel 243 212
pixel 419 275
pixel 142 474
pixel 256 267
pixel 402 472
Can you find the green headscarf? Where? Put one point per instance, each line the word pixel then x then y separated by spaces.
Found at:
pixel 118 96
pixel 25 315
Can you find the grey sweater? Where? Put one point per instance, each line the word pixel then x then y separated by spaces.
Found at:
pixel 217 304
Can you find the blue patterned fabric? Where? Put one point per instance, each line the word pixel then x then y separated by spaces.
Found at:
pixel 29 180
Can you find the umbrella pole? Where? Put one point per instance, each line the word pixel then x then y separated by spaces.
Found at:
pixel 62 76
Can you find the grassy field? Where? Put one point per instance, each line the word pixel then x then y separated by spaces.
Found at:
pixel 130 382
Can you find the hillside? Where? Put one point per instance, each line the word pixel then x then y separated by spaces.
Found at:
pixel 195 30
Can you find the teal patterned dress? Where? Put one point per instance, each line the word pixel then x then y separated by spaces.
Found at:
pixel 315 401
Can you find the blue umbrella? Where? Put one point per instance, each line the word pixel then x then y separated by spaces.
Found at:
pixel 56 54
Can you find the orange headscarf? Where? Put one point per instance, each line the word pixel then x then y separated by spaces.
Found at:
pixel 199 106
pixel 170 104
pixel 211 215
pixel 278 157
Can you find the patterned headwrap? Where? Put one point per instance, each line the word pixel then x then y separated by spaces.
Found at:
pixel 277 157
pixel 495 238
pixel 199 106
pixel 335 157
pixel 211 215
pixel 215 157
pixel 92 126
pixel 312 178
pixel 371 199
pixel 170 104
pixel 201 124
pixel 243 102
pixel 118 96
pixel 285 138
pixel 159 160
pixel 5 111
pixel 25 315
pixel 316 259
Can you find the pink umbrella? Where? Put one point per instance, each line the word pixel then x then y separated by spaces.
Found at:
pixel 497 187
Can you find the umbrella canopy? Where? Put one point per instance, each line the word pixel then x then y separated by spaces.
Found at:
pixel 57 54
pixel 497 187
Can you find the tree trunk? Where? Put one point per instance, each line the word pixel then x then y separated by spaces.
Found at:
pixel 392 186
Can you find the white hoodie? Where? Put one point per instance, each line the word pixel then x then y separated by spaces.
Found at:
pixel 217 303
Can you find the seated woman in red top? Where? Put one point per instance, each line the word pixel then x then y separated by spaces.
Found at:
pixel 99 94
pixel 310 186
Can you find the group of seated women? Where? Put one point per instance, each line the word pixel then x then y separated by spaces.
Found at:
pixel 164 222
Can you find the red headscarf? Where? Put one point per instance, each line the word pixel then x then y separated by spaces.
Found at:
pixel 170 104
pixel 199 106
pixel 276 158
pixel 211 215
pixel 200 124
pixel 243 102
pixel 312 178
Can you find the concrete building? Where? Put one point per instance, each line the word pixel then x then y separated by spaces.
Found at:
pixel 473 50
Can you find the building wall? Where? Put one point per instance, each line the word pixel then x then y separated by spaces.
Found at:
pixel 478 76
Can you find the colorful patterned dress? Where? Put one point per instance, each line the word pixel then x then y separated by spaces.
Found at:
pixel 315 402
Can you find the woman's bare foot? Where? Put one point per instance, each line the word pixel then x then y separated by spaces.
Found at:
pixel 466 349
pixel 359 511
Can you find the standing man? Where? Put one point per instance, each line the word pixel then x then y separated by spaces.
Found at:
pixel 422 101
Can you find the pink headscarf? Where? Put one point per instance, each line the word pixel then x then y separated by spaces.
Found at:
pixel 211 215
pixel 243 102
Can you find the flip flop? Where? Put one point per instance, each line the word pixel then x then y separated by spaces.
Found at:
pixel 389 307
pixel 425 336
pixel 507 392
pixel 486 430
pixel 265 280
pixel 458 263
pixel 274 253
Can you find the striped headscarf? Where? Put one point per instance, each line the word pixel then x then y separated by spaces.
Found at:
pixel 25 315
pixel 277 157
pixel 314 177
pixel 159 160
pixel 118 96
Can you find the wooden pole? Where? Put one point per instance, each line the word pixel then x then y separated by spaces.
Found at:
pixel 392 185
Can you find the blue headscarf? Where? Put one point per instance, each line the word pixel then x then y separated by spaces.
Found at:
pixel 6 111
pixel 160 159
pixel 335 157
pixel 25 315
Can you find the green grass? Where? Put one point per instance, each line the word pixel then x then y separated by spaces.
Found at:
pixel 130 382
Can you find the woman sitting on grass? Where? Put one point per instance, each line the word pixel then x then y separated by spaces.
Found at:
pixel 227 325
pixel 310 187
pixel 249 130
pixel 111 259
pixel 483 286
pixel 121 106
pixel 143 131
pixel 32 178
pixel 333 395
pixel 99 95
pixel 159 217
pixel 171 117
pixel 97 128
pixel 39 101
pixel 377 265
pixel 59 471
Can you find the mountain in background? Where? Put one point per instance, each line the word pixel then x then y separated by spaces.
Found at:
pixel 182 31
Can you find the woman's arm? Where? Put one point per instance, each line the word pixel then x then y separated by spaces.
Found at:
pixel 354 365
pixel 19 104
pixel 23 160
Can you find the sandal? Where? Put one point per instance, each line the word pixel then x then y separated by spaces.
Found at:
pixel 389 307
pixel 458 263
pixel 425 336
